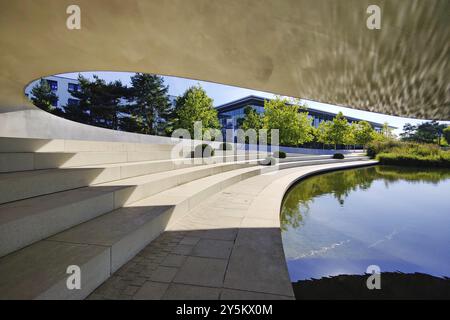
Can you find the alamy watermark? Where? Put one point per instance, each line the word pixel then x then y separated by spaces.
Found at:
pixel 373 22
pixel 73 281
pixel 73 21
pixel 248 145
pixel 374 280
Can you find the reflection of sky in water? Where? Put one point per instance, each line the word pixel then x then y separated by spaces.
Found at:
pixel 403 227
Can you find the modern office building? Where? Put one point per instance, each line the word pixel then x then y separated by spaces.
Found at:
pixel 231 112
pixel 61 86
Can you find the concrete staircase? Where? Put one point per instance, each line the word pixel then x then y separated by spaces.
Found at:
pixel 97 204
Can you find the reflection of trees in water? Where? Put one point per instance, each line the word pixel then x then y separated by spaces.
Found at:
pixel 413 175
pixel 340 184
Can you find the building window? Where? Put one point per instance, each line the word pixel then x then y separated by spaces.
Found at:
pixel 53 85
pixel 73 102
pixel 73 87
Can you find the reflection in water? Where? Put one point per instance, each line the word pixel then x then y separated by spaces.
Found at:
pixel 342 222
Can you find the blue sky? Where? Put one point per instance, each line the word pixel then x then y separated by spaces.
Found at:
pixel 222 94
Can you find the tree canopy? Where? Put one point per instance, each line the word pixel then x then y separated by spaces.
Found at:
pixel 338 129
pixel 99 103
pixel 294 127
pixel 43 97
pixel 426 132
pixel 251 120
pixel 195 105
pixel 150 105
pixel 362 131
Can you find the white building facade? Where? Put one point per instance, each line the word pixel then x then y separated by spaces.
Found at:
pixel 61 86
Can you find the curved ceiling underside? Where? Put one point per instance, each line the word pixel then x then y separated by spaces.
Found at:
pixel 313 49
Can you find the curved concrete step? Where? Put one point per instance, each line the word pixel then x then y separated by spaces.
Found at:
pixel 309 162
pixel 40 270
pixel 305 158
pixel 23 161
pixel 121 233
pixel 13 144
pixel 9 144
pixel 27 221
pixel 26 184
pixel 27 161
pixel 292 157
pixel 112 238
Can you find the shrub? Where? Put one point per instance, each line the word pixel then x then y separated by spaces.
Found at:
pixel 414 154
pixel 438 161
pixel 202 150
pixel 279 154
pixel 225 146
pixel 376 147
pixel 268 161
pixel 338 156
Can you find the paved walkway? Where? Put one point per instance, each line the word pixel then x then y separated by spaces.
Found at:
pixel 229 247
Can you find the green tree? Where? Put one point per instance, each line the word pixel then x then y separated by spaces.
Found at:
pixel 150 105
pixel 426 132
pixel 446 134
pixel 195 105
pixel 80 112
pixel 99 103
pixel 43 97
pixel 408 133
pixel 294 126
pixel 387 131
pixel 132 123
pixel 323 133
pixel 251 120
pixel 363 132
pixel 338 129
pixel 350 134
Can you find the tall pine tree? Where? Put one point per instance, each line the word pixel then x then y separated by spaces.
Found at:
pixel 99 103
pixel 43 97
pixel 149 102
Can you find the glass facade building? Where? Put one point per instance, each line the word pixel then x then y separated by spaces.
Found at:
pixel 230 113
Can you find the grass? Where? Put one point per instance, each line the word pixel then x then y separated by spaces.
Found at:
pixel 409 154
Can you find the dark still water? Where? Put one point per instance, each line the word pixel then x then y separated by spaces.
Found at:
pixel 342 222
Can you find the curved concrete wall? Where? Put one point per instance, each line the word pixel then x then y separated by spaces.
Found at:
pixel 313 49
pixel 35 123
